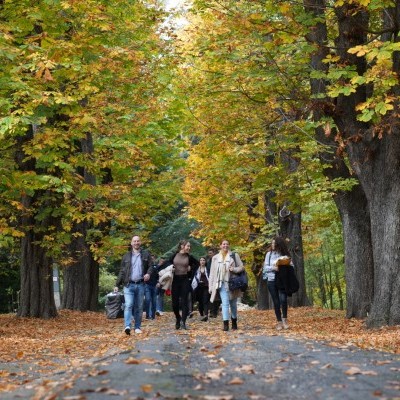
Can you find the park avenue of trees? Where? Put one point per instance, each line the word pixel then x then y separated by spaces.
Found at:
pixel 251 118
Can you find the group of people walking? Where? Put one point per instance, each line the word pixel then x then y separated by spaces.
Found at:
pixel 207 278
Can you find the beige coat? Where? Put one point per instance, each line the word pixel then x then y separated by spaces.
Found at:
pixel 219 274
pixel 166 277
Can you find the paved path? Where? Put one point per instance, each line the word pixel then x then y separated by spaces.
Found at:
pixel 244 366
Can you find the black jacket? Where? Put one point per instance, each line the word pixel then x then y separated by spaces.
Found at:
pixel 286 280
pixel 126 265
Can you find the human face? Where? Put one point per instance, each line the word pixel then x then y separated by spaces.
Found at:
pixel 224 246
pixel 273 245
pixel 202 261
pixel 136 243
pixel 186 248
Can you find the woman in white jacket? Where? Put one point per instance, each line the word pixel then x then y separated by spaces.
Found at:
pixel 222 265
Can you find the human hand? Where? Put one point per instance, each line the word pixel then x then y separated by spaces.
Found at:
pixel 146 277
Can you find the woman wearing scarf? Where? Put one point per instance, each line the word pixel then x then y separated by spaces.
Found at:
pixel 222 265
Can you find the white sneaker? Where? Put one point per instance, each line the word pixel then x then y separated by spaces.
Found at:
pixel 137 330
pixel 127 330
pixel 279 326
pixel 285 323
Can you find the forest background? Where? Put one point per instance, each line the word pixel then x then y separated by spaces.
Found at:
pixel 224 119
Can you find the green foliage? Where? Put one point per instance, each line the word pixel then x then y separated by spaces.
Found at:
pixel 9 279
pixel 106 282
pixel 324 261
pixel 165 238
pixel 75 73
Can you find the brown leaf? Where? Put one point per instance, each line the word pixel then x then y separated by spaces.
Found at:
pixel 353 371
pixel 249 369
pixel 215 373
pixel 384 362
pixel 132 360
pixel 236 381
pixel 369 373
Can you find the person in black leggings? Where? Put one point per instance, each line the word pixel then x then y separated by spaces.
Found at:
pixel 201 290
pixel 184 265
pixel 270 269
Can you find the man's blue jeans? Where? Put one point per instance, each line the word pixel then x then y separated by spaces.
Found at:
pixel 226 303
pixel 134 298
pixel 150 300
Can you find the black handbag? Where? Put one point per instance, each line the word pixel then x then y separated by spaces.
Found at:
pixel 238 280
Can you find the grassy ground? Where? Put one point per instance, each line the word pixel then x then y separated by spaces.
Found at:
pixel 32 348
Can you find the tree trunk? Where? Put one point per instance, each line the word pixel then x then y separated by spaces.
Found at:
pixel 81 278
pixel 353 204
pixel 359 275
pixel 380 176
pixel 290 227
pixel 36 297
pixel 375 159
pixel 263 299
pixel 338 284
pixel 258 257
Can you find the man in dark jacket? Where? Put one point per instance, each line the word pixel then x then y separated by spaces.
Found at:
pixel 134 272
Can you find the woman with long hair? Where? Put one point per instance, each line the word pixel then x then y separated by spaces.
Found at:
pixel 184 265
pixel 200 289
pixel 222 265
pixel 278 253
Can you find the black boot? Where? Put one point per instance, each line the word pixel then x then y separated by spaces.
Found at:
pixel 234 323
pixel 183 325
pixel 226 326
pixel 178 323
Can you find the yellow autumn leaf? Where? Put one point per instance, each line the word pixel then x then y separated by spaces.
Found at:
pixel 147 388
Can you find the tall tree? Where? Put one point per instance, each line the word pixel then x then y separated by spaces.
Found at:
pixel 80 147
pixel 357 86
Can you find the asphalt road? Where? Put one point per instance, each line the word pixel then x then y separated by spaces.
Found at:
pixel 244 365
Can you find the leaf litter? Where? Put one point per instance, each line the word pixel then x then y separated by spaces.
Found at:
pixel 30 348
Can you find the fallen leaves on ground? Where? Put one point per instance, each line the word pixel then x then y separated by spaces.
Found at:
pixel 30 348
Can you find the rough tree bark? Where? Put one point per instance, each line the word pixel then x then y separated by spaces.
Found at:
pixel 376 161
pixel 36 296
pixel 352 205
pixel 290 227
pixel 263 302
pixel 81 278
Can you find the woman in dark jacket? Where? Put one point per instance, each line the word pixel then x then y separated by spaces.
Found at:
pixel 200 289
pixel 277 255
pixel 184 265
